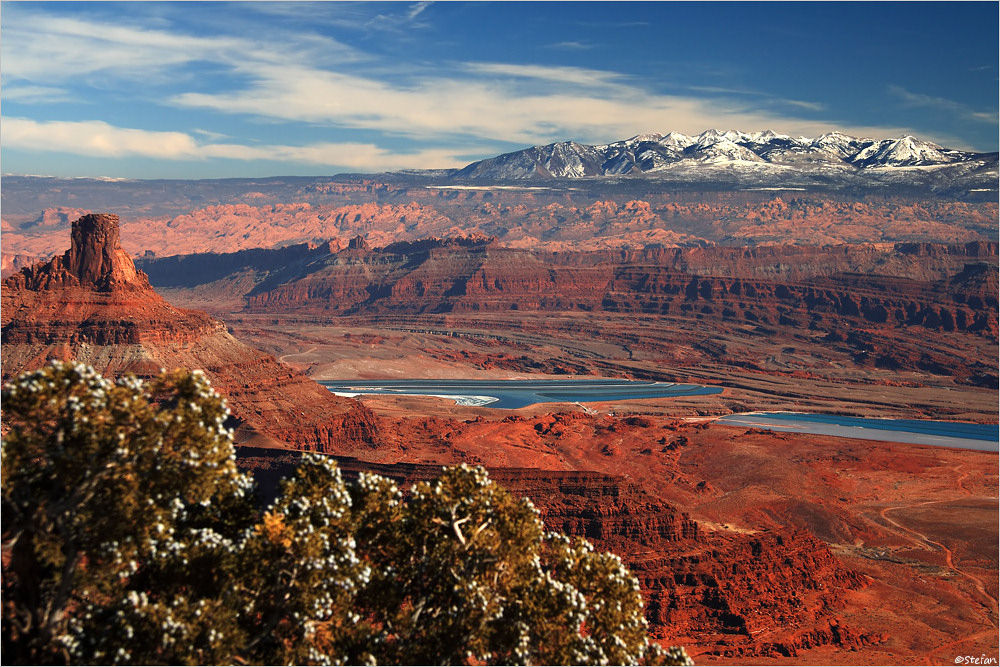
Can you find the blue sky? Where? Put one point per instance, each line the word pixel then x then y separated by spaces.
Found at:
pixel 216 90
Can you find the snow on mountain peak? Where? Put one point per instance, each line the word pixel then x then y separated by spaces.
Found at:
pixel 708 137
pixel 766 136
pixel 908 150
pixel 726 150
pixel 641 138
pixel 756 153
pixel 676 140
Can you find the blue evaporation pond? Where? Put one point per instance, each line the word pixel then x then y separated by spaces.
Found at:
pixel 917 431
pixel 513 394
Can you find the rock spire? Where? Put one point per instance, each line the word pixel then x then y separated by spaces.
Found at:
pixel 94 260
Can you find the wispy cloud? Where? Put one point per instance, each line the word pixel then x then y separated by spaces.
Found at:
pixel 919 100
pixel 802 104
pixel 29 94
pixel 764 96
pixel 437 108
pixel 616 24
pixel 208 134
pixel 99 139
pixel 548 73
pixel 398 21
pixel 46 50
pixel 523 104
pixel 59 49
pixel 570 46
pixel 416 9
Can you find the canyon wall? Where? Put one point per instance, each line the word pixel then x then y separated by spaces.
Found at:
pixel 951 288
pixel 724 594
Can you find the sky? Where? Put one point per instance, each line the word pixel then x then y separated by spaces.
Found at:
pixel 256 89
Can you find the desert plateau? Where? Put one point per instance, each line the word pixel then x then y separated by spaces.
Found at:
pixel 751 545
pixel 413 240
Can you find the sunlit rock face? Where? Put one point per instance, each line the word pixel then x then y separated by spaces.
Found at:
pixel 91 304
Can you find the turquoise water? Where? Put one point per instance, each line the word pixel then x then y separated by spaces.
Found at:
pixel 513 394
pixel 916 431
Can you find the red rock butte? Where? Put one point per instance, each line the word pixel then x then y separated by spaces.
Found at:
pixel 95 260
pixel 91 304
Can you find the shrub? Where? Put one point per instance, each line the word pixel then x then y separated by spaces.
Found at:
pixel 133 538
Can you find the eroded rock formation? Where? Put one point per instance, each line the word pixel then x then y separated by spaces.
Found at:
pixel 882 305
pixel 934 286
pixel 92 305
pixel 589 219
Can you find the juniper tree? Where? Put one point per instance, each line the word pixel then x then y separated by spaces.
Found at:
pixel 133 538
pixel 120 503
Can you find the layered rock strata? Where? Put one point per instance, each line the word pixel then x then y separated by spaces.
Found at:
pixel 162 221
pixel 726 594
pixel 952 288
pixel 91 304
pixel 907 306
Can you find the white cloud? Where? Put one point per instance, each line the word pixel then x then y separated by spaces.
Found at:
pixel 765 97
pixel 95 138
pixel 417 8
pixel 58 49
pixel 518 103
pixel 802 104
pixel 566 75
pixel 298 78
pixel 101 140
pixel 365 17
pixel 208 134
pixel 351 155
pixel 570 46
pixel 46 49
pixel 28 94
pixel 394 21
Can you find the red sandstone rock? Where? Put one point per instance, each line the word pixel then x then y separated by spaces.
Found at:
pixel 92 305
pixel 875 304
pixel 95 260
pixel 951 291
pixel 725 594
pixel 536 220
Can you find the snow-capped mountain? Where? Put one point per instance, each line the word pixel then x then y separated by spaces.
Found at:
pixel 761 158
pixel 905 151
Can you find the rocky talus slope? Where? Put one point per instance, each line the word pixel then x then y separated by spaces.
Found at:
pixel 91 304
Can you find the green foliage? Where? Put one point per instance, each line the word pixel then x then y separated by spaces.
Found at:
pixel 134 539
pixel 108 494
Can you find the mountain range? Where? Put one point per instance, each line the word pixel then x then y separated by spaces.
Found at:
pixel 733 160
pixel 652 154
